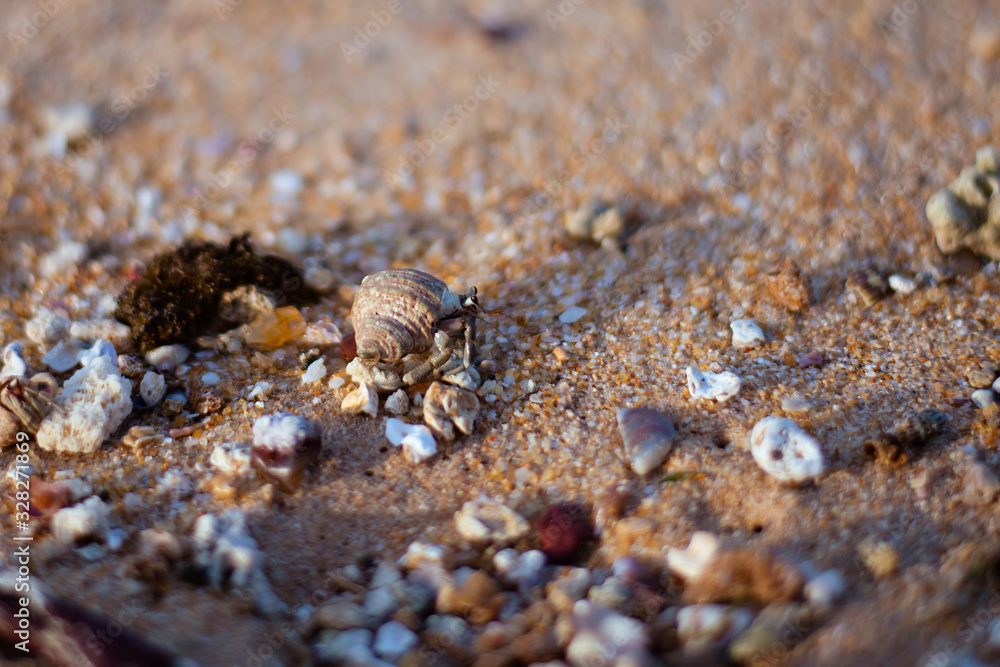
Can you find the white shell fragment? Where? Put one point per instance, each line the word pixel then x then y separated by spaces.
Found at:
pixel 467 378
pixel 398 403
pixel 364 399
pixel 62 357
pixel 315 372
pixel 80 523
pixel 152 388
pixel 167 357
pixel 785 451
pixel 284 444
pixel 648 436
pixel 902 284
pixel 572 314
pixel 708 385
pixel 101 348
pixel 445 405
pixel 691 562
pixel 488 521
pixel 13 364
pixel 416 440
pixel 746 333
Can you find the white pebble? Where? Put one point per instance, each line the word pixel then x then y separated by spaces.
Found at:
pixel 795 404
pixel 167 357
pixel 983 397
pixel 393 640
pixel 260 390
pixel 572 314
pixel 46 328
pixel 315 372
pixel 336 382
pixel 398 403
pixel 210 378
pixel 86 521
pixel 364 399
pixel 691 562
pixel 707 385
pixel 62 357
pixel 785 451
pixel 416 440
pixel 152 387
pixel 231 458
pixel 825 589
pixel 701 625
pixel 13 364
pixel 488 521
pixel 101 348
pixel 902 284
pixel 286 183
pixel 746 333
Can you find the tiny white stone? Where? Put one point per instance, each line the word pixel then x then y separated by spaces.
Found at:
pixel 785 451
pixel 285 183
pixel 746 333
pixel 62 357
pixel 231 458
pixel 152 387
pixel 485 520
pixel 101 348
pixel 398 403
pixel 795 404
pixel 707 385
pixel 393 640
pixel 364 399
pixel 336 382
pixel 262 389
pixel 825 588
pixel 13 364
pixel 86 521
pixel 902 284
pixel 315 372
pixel 167 357
pixel 210 378
pixel 691 562
pixel 416 439
pixel 572 314
pixel 983 397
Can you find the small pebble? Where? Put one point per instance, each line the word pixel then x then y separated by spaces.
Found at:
pixel 261 390
pixel 445 405
pixel 167 357
pixel 983 397
pixel 707 385
pixel 825 589
pixel 393 640
pixel 572 314
pixel 562 531
pixel 795 404
pixel 398 403
pixel 152 388
pixel 80 523
pixel 981 378
pixel 336 382
pixel 746 333
pixel 787 287
pixel 210 378
pixel 785 451
pixel 902 284
pixel 690 563
pixel 810 359
pixel 315 372
pixel 13 364
pixel 101 348
pixel 488 521
pixel 416 440
pixel 869 284
pixel 879 556
pixel 364 399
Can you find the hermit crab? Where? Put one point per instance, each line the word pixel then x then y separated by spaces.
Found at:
pixel 29 401
pixel 399 312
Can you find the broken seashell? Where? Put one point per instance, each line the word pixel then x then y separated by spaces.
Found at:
pixel 488 521
pixel 708 385
pixel 648 437
pixel 283 445
pixel 785 451
pixel 416 440
pixel 152 388
pixel 445 405
pixel 363 399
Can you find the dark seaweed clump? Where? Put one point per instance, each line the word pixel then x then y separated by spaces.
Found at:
pixel 178 297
